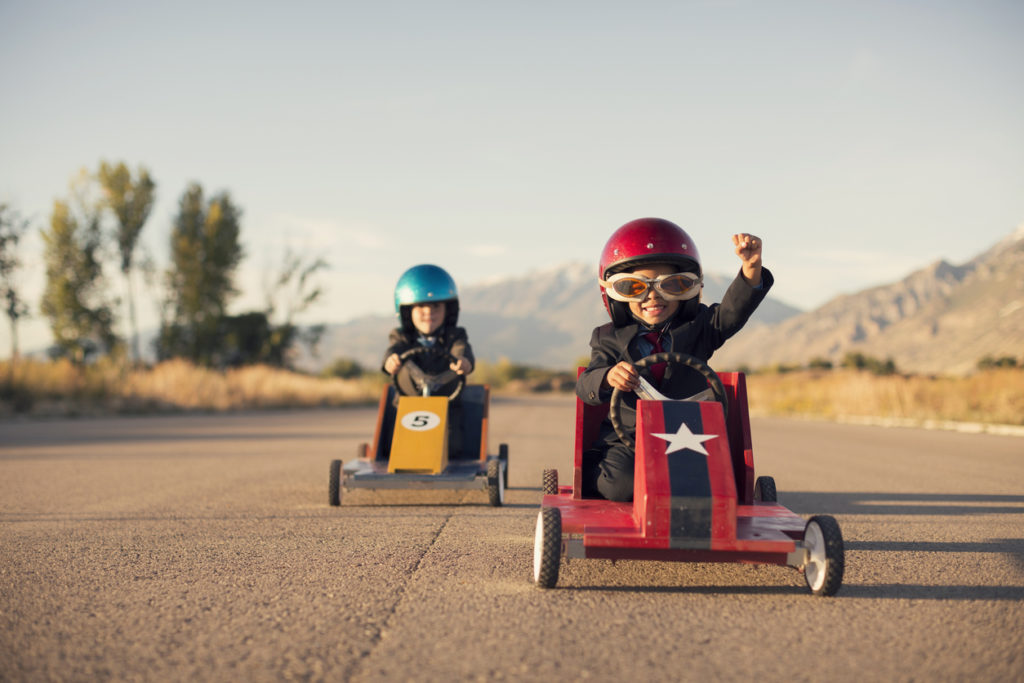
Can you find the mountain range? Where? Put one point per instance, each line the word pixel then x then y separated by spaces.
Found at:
pixel 940 319
pixel 541 318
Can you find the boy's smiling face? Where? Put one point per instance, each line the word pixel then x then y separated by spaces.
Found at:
pixel 428 316
pixel 654 309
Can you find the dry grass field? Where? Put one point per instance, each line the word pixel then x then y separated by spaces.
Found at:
pixel 59 388
pixel 990 396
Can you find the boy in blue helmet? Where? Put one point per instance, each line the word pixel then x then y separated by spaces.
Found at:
pixel 427 305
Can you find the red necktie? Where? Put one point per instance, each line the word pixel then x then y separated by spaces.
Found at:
pixel 658 369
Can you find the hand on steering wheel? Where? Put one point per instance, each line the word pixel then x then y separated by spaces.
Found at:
pixel 427 384
pixel 672 358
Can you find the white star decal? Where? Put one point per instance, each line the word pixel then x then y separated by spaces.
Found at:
pixel 684 438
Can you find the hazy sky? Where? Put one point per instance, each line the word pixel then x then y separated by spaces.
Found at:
pixel 860 139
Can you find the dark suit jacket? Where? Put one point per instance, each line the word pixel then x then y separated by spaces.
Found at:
pixel 700 337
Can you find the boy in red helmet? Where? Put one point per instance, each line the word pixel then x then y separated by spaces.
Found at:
pixel 651 278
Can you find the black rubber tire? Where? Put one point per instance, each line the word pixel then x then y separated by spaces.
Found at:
pixel 823 570
pixel 764 490
pixel 503 456
pixel 334 484
pixel 547 547
pixel 550 485
pixel 495 482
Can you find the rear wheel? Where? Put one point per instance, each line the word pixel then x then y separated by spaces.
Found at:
pixel 503 456
pixel 764 490
pixel 550 486
pixel 495 482
pixel 823 567
pixel 334 484
pixel 547 547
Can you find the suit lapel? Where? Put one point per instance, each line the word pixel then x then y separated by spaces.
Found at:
pixel 623 336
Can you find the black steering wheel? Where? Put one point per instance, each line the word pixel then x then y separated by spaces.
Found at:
pixel 422 380
pixel 717 388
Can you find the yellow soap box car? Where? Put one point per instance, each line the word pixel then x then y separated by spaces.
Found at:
pixel 431 434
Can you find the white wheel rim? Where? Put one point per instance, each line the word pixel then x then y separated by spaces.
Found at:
pixel 538 546
pixel 817 562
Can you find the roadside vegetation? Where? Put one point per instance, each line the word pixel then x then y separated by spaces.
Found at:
pixel 993 395
pixel 987 396
pixel 863 387
pixel 62 388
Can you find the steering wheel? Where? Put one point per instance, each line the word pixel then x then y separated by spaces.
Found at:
pixel 683 359
pixel 424 381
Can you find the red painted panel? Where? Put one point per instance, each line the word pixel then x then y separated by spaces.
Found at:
pixel 720 475
pixel 652 491
pixel 588 424
pixel 739 435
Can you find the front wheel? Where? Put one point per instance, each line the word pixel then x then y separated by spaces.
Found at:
pixel 495 482
pixel 334 484
pixel 550 484
pixel 547 547
pixel 824 563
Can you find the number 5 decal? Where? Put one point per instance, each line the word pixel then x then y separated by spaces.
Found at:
pixel 421 421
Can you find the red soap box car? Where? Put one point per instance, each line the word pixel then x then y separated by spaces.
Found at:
pixel 695 496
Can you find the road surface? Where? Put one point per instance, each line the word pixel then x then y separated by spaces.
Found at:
pixel 201 547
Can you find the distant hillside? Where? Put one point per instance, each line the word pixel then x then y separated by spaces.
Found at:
pixel 542 318
pixel 940 319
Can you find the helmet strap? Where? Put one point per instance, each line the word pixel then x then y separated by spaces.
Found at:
pixel 657 327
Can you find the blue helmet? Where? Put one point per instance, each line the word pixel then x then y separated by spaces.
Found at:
pixel 426 283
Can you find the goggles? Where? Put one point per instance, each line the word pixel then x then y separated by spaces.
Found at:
pixel 672 287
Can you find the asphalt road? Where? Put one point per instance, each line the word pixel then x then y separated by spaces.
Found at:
pixel 202 548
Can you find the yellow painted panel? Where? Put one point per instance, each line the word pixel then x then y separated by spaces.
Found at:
pixel 420 443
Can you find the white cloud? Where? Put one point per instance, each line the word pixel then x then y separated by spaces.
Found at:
pixel 331 234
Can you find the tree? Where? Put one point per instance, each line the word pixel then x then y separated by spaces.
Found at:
pixel 255 337
pixel 292 293
pixel 205 251
pixel 131 200
pixel 12 227
pixel 247 339
pixel 74 297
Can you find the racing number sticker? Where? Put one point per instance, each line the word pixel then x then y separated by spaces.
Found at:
pixel 421 420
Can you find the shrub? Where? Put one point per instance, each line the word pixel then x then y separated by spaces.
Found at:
pixel 990 362
pixel 783 368
pixel 345 368
pixel 859 361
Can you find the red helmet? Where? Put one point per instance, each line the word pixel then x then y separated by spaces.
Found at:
pixel 641 242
